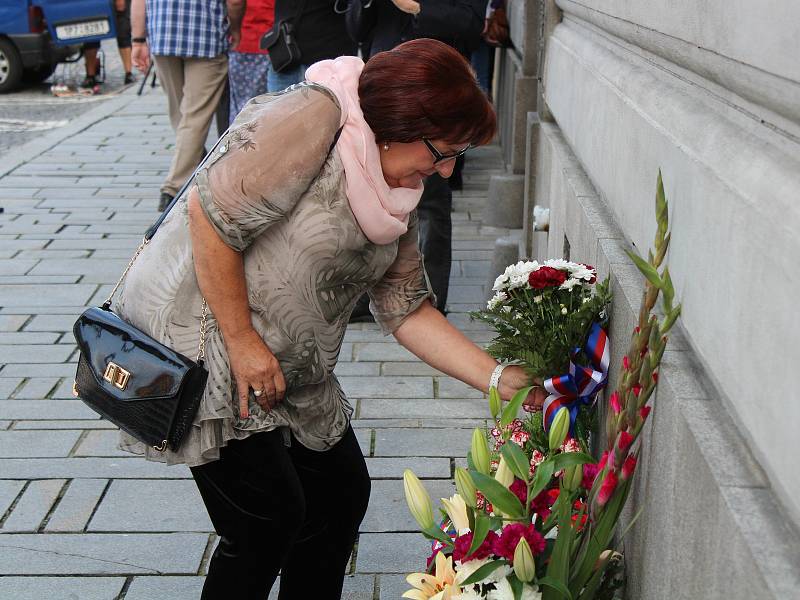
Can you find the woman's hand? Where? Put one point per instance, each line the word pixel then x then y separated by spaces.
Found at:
pixel 407 6
pixel 515 378
pixel 254 367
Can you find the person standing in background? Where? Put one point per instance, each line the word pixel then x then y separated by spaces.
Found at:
pixel 248 65
pixel 321 34
pixel 122 22
pixel 189 41
pixel 384 24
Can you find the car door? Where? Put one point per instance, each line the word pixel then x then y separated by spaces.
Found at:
pixel 78 21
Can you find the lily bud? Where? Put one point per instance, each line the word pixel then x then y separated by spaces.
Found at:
pixel 559 429
pixel 504 475
pixel 418 500
pixel 628 467
pixel 524 567
pixel 480 451
pixel 573 477
pixel 495 404
pixel 466 487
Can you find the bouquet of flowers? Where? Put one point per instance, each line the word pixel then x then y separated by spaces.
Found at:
pixel 550 319
pixel 529 523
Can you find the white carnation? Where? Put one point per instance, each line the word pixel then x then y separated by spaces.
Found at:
pixel 581 272
pixel 496 300
pixel 502 591
pixel 570 283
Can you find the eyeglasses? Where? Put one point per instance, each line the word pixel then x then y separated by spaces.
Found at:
pixel 439 157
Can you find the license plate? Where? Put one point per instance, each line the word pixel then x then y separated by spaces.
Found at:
pixel 80 30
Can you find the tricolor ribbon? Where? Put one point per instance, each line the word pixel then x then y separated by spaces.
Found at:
pixel 447 528
pixel 581 384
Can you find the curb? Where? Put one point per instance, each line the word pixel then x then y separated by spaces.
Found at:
pixel 34 148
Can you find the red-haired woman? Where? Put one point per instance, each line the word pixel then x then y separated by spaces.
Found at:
pixel 307 203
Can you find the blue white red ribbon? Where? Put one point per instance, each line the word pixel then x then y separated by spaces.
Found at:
pixel 581 384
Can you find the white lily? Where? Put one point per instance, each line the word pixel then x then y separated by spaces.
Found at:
pixel 456 509
pixel 504 474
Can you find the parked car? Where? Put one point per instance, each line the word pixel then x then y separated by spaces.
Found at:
pixel 36 35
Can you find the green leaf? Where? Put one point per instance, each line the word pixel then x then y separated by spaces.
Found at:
pixel 479 533
pixel 494 402
pixel 568 459
pixel 483 572
pixel 512 408
pixel 437 534
pixel 648 270
pixel 516 460
pixel 516 586
pixel 541 477
pixel 670 320
pixel 500 497
pixel 556 585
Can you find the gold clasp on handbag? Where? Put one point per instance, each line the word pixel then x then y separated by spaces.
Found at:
pixel 116 375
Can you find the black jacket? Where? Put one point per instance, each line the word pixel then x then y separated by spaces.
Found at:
pixel 380 25
pixel 321 31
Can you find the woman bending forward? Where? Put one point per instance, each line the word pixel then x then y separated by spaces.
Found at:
pixel 306 203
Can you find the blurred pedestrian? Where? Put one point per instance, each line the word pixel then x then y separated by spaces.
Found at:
pixel 320 32
pixel 384 24
pixel 122 22
pixel 189 41
pixel 248 64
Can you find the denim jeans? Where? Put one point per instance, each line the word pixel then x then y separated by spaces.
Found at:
pixel 287 509
pixel 280 81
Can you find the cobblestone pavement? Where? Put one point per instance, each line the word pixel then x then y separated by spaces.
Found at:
pixel 80 519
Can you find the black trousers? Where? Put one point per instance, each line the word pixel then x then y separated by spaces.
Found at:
pixel 287 509
pixel 435 234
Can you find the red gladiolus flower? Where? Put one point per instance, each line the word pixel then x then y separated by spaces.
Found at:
pixel 603 460
pixel 614 401
pixel 644 411
pixel 607 488
pixel 628 467
pixel 463 542
pixel 578 506
pixel 655 376
pixel 505 545
pixel 637 389
pixel 636 329
pixel 546 277
pixel 625 440
pixel 626 363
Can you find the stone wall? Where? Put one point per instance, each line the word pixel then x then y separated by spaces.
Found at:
pixel 710 93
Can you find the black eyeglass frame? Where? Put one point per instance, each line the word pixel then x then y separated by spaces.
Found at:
pixel 438 157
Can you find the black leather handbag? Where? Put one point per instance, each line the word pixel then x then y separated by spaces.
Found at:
pixel 131 379
pixel 281 42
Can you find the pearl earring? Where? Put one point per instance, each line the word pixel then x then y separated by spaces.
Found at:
pixel 386 146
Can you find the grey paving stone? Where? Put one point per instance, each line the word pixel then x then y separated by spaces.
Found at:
pixel 392 468
pixel 76 505
pixel 61 588
pixel 36 388
pixel 387 387
pixel 9 490
pixel 16 266
pixel 12 322
pixel 5 424
pixel 100 443
pixel 168 588
pixel 40 370
pixel 393 586
pixel 97 423
pixel 144 505
pixel 433 407
pixel 109 468
pixel 408 368
pixel 453 388
pixel 391 553
pixel 101 554
pixel 94 270
pixel 64 389
pixel 389 350
pixel 45 409
pixel 31 296
pixel 32 444
pixel 388 510
pixel 348 369
pixel 33 353
pixel 8 385
pixel 364 437
pixel 33 506
pixel 422 442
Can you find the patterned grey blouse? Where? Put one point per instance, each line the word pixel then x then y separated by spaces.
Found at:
pixel 273 191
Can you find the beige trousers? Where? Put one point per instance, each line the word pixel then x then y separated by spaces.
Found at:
pixel 193 87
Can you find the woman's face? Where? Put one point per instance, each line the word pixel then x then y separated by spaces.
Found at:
pixel 406 165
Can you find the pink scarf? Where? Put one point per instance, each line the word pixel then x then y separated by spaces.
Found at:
pixel 381 211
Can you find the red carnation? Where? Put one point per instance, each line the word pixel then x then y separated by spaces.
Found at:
pixel 520 490
pixel 463 542
pixel 505 545
pixel 543 503
pixel 590 472
pixel 546 277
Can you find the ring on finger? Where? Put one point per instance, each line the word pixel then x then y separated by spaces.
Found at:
pixel 258 393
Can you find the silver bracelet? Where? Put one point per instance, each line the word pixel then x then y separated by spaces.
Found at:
pixel 494 380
